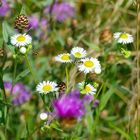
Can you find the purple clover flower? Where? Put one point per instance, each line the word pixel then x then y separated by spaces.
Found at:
pixel 43 23
pixel 33 22
pixel 69 106
pixel 4 8
pixel 61 11
pixel 19 93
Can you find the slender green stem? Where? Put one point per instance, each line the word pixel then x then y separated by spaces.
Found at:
pixel 67 79
pixel 138 72
pixel 30 68
pixel 97 94
pixel 14 75
pixel 86 78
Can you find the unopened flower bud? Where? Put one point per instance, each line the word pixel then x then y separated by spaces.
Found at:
pixel 22 50
pixel 69 41
pixel 43 116
pixel 14 56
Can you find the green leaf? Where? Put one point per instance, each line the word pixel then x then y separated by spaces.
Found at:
pixel 124 134
pixel 89 120
pixel 23 10
pixel 22 74
pixel 91 45
pixel 105 97
pixel 7 31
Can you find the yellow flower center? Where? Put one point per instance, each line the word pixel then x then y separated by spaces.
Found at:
pixel 88 63
pixel 87 88
pixel 47 88
pixel 21 38
pixel 65 57
pixel 124 36
pixel 77 54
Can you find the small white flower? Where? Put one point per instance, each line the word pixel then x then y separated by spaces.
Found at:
pixel 90 65
pixel 43 116
pixel 46 87
pixel 88 88
pixel 22 50
pixel 123 38
pixel 19 40
pixel 64 58
pixel 78 52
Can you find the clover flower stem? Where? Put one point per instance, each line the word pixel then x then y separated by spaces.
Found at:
pixel 30 68
pixel 67 79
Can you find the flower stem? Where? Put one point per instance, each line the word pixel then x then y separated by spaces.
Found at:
pixel 67 79
pixel 138 72
pixel 86 78
pixel 14 75
pixel 30 68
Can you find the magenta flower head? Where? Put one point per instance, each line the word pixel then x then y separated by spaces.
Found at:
pixel 33 22
pixel 4 8
pixel 19 92
pixel 61 11
pixel 69 106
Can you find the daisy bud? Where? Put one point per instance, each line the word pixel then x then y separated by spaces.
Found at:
pixel 43 116
pixel 14 56
pixel 22 50
pixel 98 70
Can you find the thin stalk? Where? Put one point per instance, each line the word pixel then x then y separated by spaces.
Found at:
pixel 67 79
pixel 138 74
pixel 86 78
pixel 30 68
pixel 14 75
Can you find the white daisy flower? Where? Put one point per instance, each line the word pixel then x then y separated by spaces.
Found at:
pixel 78 52
pixel 46 87
pixel 19 40
pixel 43 116
pixel 90 65
pixel 64 58
pixel 123 38
pixel 88 89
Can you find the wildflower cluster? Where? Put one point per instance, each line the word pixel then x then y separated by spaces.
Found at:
pixel 78 54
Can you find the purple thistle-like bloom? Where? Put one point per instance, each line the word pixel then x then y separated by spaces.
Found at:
pixel 61 11
pixel 43 23
pixel 69 105
pixel 4 8
pixel 19 93
pixel 33 22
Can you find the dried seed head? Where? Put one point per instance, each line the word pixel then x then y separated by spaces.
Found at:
pixel 62 87
pixel 2 52
pixel 68 123
pixel 106 36
pixel 21 22
pixel 74 23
